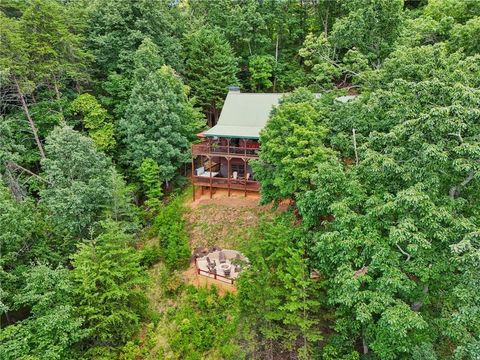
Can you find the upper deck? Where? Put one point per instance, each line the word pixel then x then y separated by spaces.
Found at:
pixel 246 150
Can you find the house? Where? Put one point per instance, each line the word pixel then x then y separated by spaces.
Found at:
pixel 222 159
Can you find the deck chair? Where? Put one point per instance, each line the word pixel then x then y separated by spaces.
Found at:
pixel 244 181
pixel 211 263
pixel 234 176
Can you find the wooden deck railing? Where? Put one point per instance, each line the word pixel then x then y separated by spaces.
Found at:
pixel 212 275
pixel 219 182
pixel 220 150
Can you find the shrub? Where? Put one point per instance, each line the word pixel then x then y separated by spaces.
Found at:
pixel 172 234
pixel 150 255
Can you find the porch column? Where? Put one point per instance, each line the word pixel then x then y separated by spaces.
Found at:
pixel 245 175
pixel 192 176
pixel 210 162
pixel 228 146
pixel 228 174
pixel 203 164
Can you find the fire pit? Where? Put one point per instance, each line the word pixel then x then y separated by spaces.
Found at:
pixel 226 269
pixel 221 264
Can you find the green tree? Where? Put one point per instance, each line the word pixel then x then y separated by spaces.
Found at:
pixel 117 28
pixel 159 123
pixel 205 309
pixel 115 31
pixel 95 119
pixel 276 293
pixel 122 208
pixel 261 71
pixel 53 329
pixel 209 76
pixel 152 186
pixel 292 147
pixel 55 51
pixel 20 242
pixel 241 22
pixel 460 11
pixel 109 287
pixel 39 48
pixel 79 182
pixel 463 36
pixel 384 229
pixel 173 237
pixel 321 60
pixel 371 26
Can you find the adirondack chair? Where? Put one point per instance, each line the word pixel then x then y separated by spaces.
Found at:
pixel 211 264
pixel 244 181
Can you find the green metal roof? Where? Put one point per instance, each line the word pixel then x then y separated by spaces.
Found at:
pixel 244 115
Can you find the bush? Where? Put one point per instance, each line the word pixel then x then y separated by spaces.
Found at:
pixel 150 255
pixel 172 234
pixel 198 321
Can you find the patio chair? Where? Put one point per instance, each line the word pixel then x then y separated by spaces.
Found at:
pixel 226 272
pixel 211 263
pixel 234 176
pixel 221 257
pixel 244 181
pixel 238 268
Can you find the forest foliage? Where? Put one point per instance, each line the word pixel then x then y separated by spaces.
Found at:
pixel 99 103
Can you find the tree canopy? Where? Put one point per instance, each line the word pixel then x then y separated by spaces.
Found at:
pixel 366 245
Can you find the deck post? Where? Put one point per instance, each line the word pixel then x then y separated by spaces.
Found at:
pixel 193 172
pixel 228 175
pixel 245 175
pixel 228 146
pixel 210 160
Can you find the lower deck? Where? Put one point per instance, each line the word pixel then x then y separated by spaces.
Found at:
pixel 211 172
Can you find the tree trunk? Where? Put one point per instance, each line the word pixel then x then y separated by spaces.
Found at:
pixel 13 184
pixel 30 120
pixel 276 63
pixel 365 346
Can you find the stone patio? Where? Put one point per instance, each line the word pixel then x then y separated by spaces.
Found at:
pixel 233 258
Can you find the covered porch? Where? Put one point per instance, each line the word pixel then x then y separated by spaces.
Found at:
pixel 223 172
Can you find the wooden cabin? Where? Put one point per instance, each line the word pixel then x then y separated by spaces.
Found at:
pixel 222 158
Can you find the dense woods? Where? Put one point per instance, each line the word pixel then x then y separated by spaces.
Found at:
pixel 100 101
